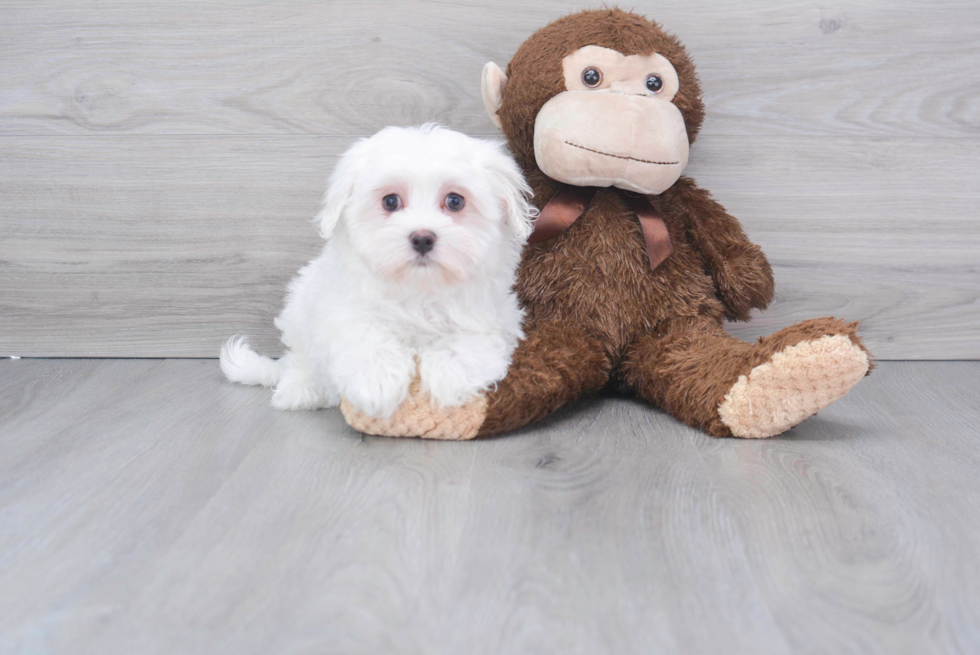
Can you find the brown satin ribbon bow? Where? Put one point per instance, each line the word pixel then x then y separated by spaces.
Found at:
pixel 568 205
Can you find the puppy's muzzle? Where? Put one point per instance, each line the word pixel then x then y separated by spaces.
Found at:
pixel 422 241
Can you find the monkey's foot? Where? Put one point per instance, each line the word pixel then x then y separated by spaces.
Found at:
pixel 419 417
pixel 796 383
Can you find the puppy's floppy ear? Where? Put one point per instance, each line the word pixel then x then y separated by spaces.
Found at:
pixel 340 189
pixel 513 190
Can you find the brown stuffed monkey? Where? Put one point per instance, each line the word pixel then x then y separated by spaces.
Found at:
pixel 632 268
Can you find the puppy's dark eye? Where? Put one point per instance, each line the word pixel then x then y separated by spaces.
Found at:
pixel 391 202
pixel 455 202
pixel 592 77
pixel 654 83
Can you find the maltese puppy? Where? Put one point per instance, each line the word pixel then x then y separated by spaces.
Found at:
pixel 424 230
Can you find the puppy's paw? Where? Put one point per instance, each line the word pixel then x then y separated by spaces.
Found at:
pixel 299 389
pixel 448 384
pixel 299 395
pixel 418 416
pixel 378 393
pixel 455 376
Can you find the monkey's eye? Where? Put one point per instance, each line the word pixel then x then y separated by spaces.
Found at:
pixel 592 77
pixel 391 202
pixel 654 83
pixel 455 202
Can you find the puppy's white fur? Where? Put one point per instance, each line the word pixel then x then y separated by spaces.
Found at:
pixel 370 312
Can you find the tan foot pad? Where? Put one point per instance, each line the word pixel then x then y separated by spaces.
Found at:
pixel 418 417
pixel 793 385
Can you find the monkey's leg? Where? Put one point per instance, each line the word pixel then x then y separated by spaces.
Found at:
pixel 711 380
pixel 554 364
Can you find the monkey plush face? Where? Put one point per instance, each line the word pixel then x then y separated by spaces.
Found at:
pixel 614 124
pixel 618 106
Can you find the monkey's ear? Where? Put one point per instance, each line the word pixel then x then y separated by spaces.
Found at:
pixel 494 82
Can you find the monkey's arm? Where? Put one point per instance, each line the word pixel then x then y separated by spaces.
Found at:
pixel 741 273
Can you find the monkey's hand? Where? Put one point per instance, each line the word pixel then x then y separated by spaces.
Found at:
pixel 743 278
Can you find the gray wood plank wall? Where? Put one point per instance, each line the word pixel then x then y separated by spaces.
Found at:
pixel 159 161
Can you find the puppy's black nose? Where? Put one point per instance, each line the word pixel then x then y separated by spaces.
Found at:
pixel 422 241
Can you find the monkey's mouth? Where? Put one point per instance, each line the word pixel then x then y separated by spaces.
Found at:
pixel 606 154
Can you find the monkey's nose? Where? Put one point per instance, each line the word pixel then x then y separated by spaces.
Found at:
pixel 422 241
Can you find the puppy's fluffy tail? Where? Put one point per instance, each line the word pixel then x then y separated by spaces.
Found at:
pixel 241 364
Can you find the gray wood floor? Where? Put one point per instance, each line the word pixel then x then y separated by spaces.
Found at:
pixel 147 506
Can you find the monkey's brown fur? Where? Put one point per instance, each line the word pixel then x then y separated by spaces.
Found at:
pixel 597 315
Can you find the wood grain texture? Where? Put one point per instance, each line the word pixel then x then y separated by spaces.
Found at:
pixel 166 246
pixel 159 161
pixel 352 67
pixel 151 507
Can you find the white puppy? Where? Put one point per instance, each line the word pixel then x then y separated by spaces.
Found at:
pixel 425 228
